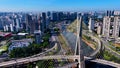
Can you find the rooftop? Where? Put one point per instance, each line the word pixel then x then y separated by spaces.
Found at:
pixel 3 34
pixel 22 34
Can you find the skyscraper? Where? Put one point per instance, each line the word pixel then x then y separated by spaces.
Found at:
pixel 116 27
pixel 106 26
pixel 11 27
pixel 47 22
pixel 54 16
pixel 91 25
pixel 99 30
pixel 109 13
pixel 30 24
pixel 6 27
pixel 43 22
pixel 17 23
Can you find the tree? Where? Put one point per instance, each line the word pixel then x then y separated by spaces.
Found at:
pixel 40 64
pixel 45 44
pixel 57 30
pixel 29 66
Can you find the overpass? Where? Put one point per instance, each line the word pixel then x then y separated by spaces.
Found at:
pixel 33 59
pixel 98 48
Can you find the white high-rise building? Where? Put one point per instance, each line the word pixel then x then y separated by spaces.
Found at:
pixel 4 27
pixel 116 27
pixel 17 23
pixel 99 30
pixel 106 26
pixel 11 27
pixel 91 25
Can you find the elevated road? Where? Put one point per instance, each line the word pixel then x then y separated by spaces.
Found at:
pixel 106 63
pixel 98 47
pixel 33 59
pixel 85 32
pixel 106 44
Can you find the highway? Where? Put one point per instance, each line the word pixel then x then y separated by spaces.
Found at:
pixel 33 59
pixel 61 50
pixel 47 51
pixel 96 39
pixel 106 44
pixel 106 63
pixel 98 47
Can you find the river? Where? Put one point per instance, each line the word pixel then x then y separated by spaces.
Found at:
pixel 71 39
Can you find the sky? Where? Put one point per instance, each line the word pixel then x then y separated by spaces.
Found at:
pixel 58 5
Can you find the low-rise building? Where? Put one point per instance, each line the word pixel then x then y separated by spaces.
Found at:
pixel 20 43
pixel 4 35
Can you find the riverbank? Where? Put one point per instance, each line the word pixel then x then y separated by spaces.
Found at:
pixel 89 44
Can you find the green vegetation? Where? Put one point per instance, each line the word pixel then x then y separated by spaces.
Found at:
pixel 25 51
pixel 16 37
pixel 41 64
pixel 29 66
pixel 84 26
pixel 62 63
pixel 108 56
pixel 57 30
pixel 89 40
pixel 45 64
pixel 45 42
pixel 72 27
pixel 31 49
pixel 23 31
pixel 117 48
pixel 110 42
pixel 86 37
pixel 114 47
pixel 3 48
pixel 29 36
pixel 64 45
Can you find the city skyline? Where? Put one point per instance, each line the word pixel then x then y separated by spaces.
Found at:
pixel 48 39
pixel 58 5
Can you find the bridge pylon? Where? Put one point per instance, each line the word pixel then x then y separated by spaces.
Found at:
pixel 78 50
